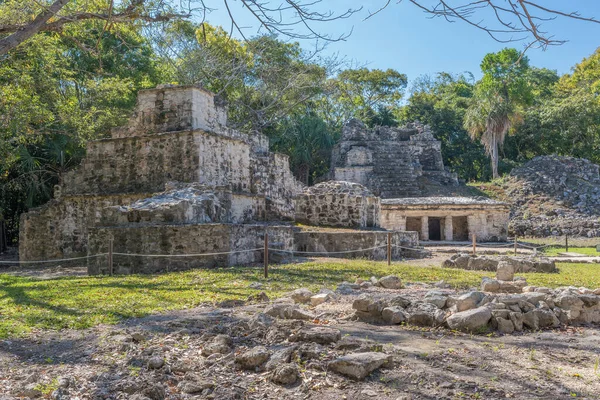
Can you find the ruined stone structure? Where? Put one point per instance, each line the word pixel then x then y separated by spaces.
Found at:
pixel 447 218
pixel 177 181
pixel 177 134
pixel 340 204
pixel 391 162
pixel 402 166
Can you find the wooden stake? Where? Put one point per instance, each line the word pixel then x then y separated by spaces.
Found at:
pixel 389 248
pixel 516 245
pixel 266 257
pixel 474 244
pixel 110 257
pixel 567 243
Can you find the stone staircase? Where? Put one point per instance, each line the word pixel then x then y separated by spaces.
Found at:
pixel 394 174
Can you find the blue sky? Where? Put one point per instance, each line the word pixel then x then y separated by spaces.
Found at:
pixel 402 37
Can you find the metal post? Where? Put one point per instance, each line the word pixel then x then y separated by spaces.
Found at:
pixel 516 245
pixel 567 243
pixel 3 241
pixel 266 257
pixel 110 257
pixel 474 244
pixel 389 248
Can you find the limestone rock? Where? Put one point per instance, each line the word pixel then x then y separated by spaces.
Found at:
pixel 288 311
pixel 505 271
pixel 517 320
pixel 156 363
pixel 359 365
pixel 301 295
pixel 390 282
pixel 253 358
pixel 319 299
pixel 505 325
pixel 424 314
pixel 219 345
pixel 285 374
pixel 546 318
pixel 368 307
pixel 466 301
pixel 319 334
pixel 470 320
pixel 393 315
pixel 482 264
pixel 490 285
pixel 279 357
pixel 436 298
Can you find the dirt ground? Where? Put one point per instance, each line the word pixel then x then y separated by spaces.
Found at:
pixel 115 362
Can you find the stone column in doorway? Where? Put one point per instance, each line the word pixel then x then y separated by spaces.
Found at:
pixel 424 228
pixel 448 228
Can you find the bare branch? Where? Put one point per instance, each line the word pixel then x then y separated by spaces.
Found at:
pixel 10 42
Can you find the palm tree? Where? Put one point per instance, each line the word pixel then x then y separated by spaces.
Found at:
pixel 497 100
pixel 489 119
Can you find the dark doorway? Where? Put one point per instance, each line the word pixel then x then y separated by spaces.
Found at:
pixel 435 231
pixel 460 228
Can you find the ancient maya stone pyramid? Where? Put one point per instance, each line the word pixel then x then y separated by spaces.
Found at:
pixel 177 180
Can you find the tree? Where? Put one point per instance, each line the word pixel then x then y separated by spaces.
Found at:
pixel 498 99
pixel 308 141
pixel 441 102
pixel 21 20
pixel 569 117
pixel 54 96
pixel 358 93
pixel 263 79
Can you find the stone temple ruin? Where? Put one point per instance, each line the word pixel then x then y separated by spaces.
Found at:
pixel 177 180
pixel 404 167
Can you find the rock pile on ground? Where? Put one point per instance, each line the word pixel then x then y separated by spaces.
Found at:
pixel 505 305
pixel 555 195
pixel 290 348
pixel 485 263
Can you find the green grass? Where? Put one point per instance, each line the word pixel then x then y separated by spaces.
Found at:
pixel 588 251
pixel 81 302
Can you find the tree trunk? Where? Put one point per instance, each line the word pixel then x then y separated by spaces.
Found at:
pixel 494 156
pixel 10 42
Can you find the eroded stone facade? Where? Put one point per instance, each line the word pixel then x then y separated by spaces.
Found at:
pixel 178 141
pixel 339 204
pixel 391 162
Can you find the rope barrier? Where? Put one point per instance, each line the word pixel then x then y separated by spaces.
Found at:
pixel 328 252
pixel 55 260
pixel 495 245
pixel 187 255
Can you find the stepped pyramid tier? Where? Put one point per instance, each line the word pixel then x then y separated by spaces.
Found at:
pixel 391 162
pixel 176 163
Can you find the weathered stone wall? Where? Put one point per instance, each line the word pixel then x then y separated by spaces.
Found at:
pixel 340 204
pixel 271 177
pixel 147 163
pixel 169 108
pixel 391 162
pixel 182 239
pixel 60 227
pixel 335 242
